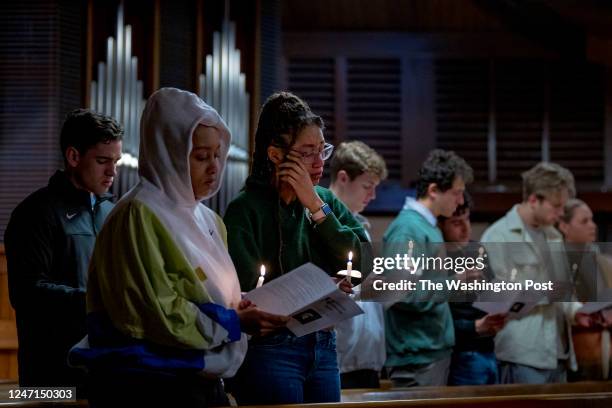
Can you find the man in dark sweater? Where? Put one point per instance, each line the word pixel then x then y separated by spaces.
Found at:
pixel 473 361
pixel 49 240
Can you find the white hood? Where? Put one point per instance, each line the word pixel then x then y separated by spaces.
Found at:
pixel 167 126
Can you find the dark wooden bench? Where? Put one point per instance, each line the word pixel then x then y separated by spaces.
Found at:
pixel 584 394
pixel 587 400
pixel 358 395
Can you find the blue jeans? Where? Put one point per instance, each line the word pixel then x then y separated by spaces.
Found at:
pixel 473 368
pixel 427 374
pixel 284 369
pixel 513 373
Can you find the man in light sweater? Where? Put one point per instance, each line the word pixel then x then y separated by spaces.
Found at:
pixel 524 244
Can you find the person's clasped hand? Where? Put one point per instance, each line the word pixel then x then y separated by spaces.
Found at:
pixel 470 275
pixel 490 324
pixel 587 321
pixel 606 318
pixel 344 285
pixel 256 322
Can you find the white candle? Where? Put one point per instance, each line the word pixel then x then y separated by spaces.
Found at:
pixel 513 273
pixel 262 272
pixel 349 267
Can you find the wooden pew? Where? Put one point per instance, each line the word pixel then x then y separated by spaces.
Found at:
pixel 590 400
pixel 72 404
pixel 584 394
pixel 358 395
pixel 594 400
pixel 8 329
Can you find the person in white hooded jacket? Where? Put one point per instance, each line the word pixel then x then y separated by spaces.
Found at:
pixel 165 318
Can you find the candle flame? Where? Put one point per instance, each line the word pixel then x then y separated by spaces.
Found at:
pixel 350 256
pixel 262 270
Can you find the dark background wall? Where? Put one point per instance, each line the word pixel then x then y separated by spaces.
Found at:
pixel 41 61
pixel 504 83
pixel 49 51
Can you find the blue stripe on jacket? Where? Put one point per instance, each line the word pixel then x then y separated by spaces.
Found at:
pixel 227 318
pixel 109 348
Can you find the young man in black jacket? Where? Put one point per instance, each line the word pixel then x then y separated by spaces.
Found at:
pixel 473 361
pixel 49 240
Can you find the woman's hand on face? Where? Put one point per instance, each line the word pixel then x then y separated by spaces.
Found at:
pixel 294 173
pixel 256 322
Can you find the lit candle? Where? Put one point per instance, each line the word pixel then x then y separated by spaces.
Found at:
pixel 349 267
pixel 262 272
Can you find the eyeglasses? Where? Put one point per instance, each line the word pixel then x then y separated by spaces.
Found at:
pixel 310 157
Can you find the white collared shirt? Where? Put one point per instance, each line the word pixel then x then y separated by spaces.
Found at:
pixel 412 204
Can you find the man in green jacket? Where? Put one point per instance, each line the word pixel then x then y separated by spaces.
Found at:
pixel 420 335
pixel 49 241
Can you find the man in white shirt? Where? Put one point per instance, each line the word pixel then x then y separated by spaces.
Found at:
pixel 356 171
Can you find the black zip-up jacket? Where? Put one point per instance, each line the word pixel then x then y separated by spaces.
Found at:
pixel 49 241
pixel 465 316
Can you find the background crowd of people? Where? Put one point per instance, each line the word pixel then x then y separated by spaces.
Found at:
pixel 146 296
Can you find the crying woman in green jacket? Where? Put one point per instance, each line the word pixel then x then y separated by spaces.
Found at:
pixel 282 220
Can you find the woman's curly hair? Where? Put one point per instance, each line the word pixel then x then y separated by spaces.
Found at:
pixel 282 117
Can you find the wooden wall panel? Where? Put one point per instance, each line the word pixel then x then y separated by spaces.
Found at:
pixel 374 107
pixel 409 15
pixel 40 50
pixel 8 330
pixel 502 108
pixel 462 110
